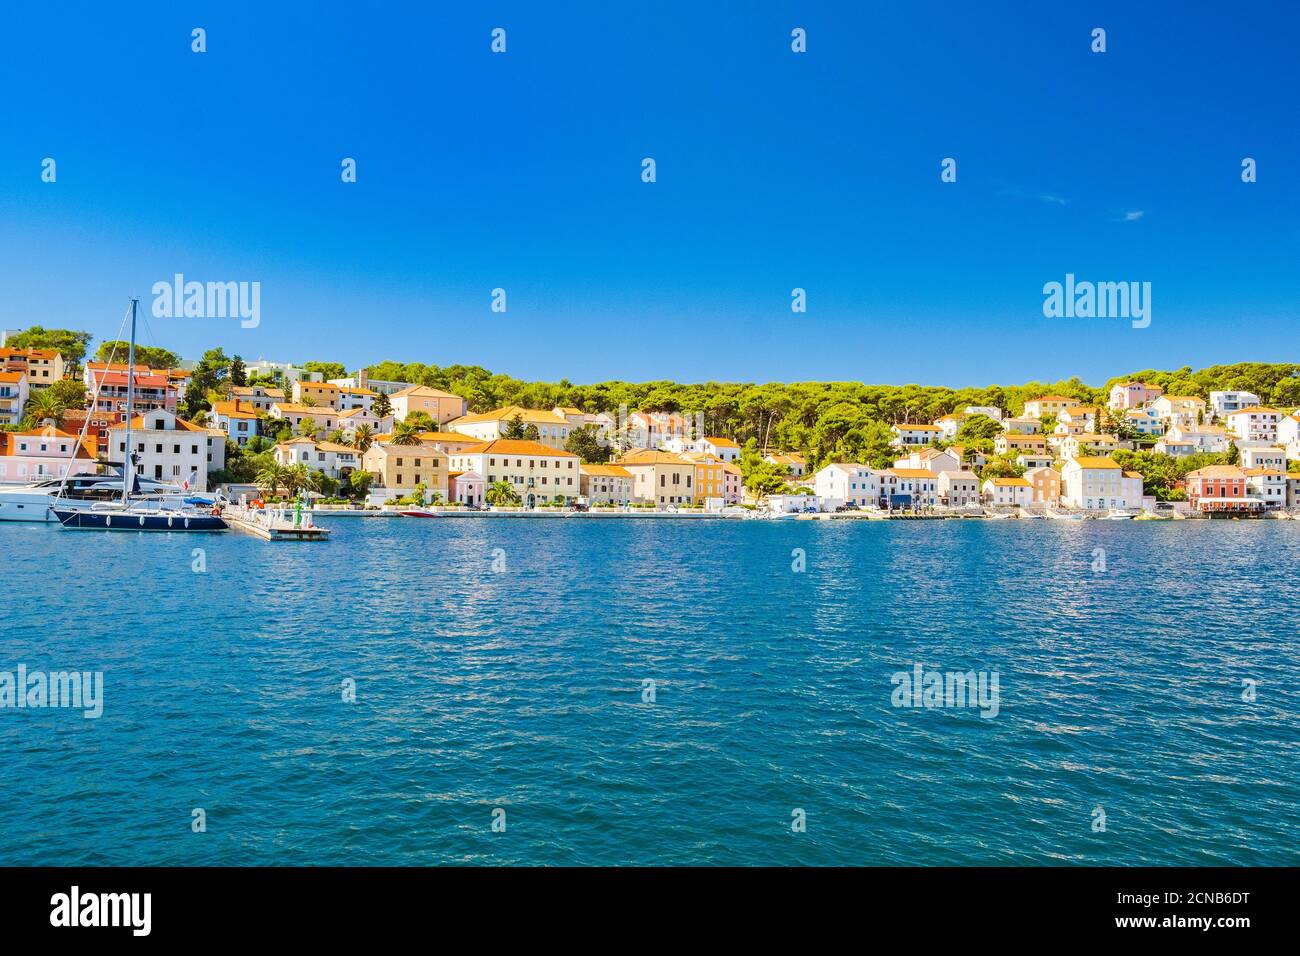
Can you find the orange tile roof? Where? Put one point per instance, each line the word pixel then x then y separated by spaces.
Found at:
pixel 606 471
pixel 424 391
pixel 507 414
pixel 297 409
pixel 1092 461
pixel 517 446
pixel 645 456
pixel 1217 471
pixel 138 424
pixel 232 410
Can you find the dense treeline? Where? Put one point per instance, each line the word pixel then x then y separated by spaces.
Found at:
pixel 844 421
pixel 827 421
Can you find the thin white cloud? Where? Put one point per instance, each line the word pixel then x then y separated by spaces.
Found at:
pixel 1134 215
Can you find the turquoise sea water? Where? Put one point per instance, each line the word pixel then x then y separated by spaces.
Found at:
pixel 523 690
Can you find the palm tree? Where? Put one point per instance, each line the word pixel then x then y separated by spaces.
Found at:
pixel 270 478
pixel 502 493
pixel 405 433
pixel 296 478
pixel 323 484
pixel 45 404
pixel 308 428
pixel 363 438
pixel 336 436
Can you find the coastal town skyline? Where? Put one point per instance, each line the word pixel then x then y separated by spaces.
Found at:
pixel 775 171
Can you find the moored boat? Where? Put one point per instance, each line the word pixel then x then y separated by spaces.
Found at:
pixel 137 516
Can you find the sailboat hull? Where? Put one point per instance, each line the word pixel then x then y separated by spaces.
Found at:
pixel 128 521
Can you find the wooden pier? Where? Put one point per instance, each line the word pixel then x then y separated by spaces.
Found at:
pixel 274 524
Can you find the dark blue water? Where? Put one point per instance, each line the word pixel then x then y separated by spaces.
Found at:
pixel 522 690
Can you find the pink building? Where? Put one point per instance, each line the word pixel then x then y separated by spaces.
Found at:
pixel 732 488
pixel 154 390
pixel 465 487
pixel 1128 395
pixel 44 453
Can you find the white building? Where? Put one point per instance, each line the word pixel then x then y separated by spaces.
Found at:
pixel 337 461
pixel 281 370
pixel 1006 492
pixel 986 410
pixel 1022 425
pixel 849 483
pixel 1255 423
pixel 1210 439
pixel 959 489
pixel 1269 485
pixel 1093 483
pixel 1221 403
pixel 724 448
pixel 787 504
pixel 353 419
pixel 1031 460
pixel 1144 421
pixel 170 449
pixel 930 459
pixel 910 487
pixel 13 397
pixel 949 425
pixel 913 433
pixel 794 463
pixel 237 420
pixel 1258 454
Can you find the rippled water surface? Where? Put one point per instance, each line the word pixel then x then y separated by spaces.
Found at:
pixel 522 690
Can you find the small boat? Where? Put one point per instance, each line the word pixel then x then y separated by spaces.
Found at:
pixel 419 513
pixel 1062 516
pixel 1116 515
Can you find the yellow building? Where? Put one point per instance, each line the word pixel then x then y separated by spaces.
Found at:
pixel 320 394
pixel 1049 405
pixel 441 406
pixel 538 473
pixel 43 367
pixel 710 475
pixel 552 429
pixel 660 477
pixel 399 468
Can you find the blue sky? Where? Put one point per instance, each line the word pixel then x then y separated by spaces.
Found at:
pixel 775 171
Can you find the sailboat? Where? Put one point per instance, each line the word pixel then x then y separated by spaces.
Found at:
pixel 135 512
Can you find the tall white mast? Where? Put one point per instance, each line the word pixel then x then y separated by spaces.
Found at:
pixel 128 466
